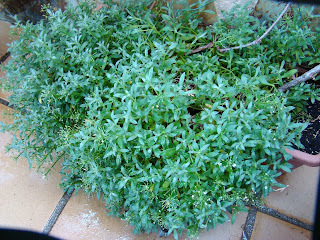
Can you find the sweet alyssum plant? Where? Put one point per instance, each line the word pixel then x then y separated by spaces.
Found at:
pixel 168 139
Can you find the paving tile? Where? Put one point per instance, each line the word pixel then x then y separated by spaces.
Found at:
pixel 270 228
pixel 26 198
pixel 4 95
pixel 85 218
pixel 299 198
pixel 227 231
pixel 4 37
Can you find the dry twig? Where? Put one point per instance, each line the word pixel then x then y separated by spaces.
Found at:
pixel 199 49
pixel 258 40
pixel 99 5
pixel 152 5
pixel 308 75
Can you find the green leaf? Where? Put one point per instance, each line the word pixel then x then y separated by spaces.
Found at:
pixel 233 218
pixel 286 167
pixel 175 234
pixel 182 77
pixel 289 73
pixel 169 152
pixel 210 11
pixel 165 185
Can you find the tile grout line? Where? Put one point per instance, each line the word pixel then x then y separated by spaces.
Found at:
pixel 249 225
pixel 283 217
pixel 254 208
pixel 6 103
pixel 2 100
pixel 57 211
pixel 4 57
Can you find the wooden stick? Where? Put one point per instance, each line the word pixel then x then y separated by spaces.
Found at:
pixel 308 75
pixel 99 5
pixel 199 49
pixel 152 5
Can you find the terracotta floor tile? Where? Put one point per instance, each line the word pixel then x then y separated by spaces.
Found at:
pixel 26 198
pixel 226 231
pixel 4 95
pixel 85 218
pixel 270 228
pixel 299 198
pixel 4 37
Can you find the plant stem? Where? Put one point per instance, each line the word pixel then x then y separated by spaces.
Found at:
pixel 199 49
pixel 308 75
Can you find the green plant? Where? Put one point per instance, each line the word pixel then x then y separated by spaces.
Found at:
pixel 169 139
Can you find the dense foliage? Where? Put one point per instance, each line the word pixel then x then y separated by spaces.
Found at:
pixel 169 139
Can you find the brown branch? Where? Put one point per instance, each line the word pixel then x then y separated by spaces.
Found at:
pixel 258 40
pixel 308 75
pixel 202 24
pixel 99 5
pixel 199 49
pixel 152 5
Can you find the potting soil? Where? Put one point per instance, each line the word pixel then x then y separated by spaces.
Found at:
pixel 311 135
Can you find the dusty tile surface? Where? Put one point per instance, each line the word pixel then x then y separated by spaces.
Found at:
pixel 299 198
pixel 85 218
pixel 4 37
pixel 270 228
pixel 227 231
pixel 26 198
